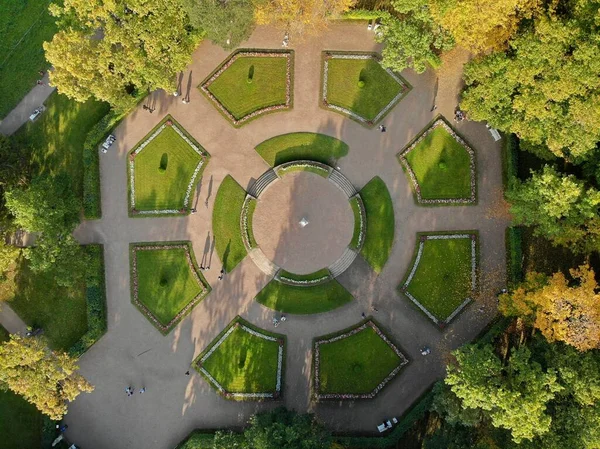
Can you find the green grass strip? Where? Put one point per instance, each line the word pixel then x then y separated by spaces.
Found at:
pixel 304 300
pixel 305 277
pixel 356 233
pixel 379 237
pixel 301 146
pixel 226 223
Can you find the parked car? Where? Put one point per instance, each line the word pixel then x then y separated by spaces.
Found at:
pixel 35 114
pixel 387 425
pixel 108 142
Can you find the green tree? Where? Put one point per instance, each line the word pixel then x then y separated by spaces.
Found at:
pixel 559 207
pixel 111 50
pixel 545 89
pixel 412 38
pixel 285 429
pixel 513 394
pixel 8 257
pixel 47 379
pixel 226 22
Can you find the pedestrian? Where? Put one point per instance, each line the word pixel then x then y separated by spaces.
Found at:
pixel 42 73
pixel 62 428
pixel 142 390
pixel 363 315
pixel 187 373
pixel 201 267
pixel 382 128
pixel 375 309
pixel 40 83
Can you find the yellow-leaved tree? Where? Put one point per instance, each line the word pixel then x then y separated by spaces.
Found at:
pixel 300 16
pixel 561 309
pixel 481 25
pixel 47 379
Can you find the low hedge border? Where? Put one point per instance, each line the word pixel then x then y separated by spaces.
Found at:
pixel 238 320
pixel 95 297
pixel 510 160
pixel 514 255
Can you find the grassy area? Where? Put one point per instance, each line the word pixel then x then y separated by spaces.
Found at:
pixel 59 311
pixel 298 146
pixel 442 166
pixel 379 236
pixel 251 83
pixel 20 422
pixel 250 213
pixel 295 168
pixel 343 88
pixel 305 277
pixel 226 223
pixel 357 220
pixel 163 171
pixel 24 26
pixel 56 138
pixel 166 283
pixel 355 364
pixel 443 278
pixel 244 363
pixel 304 300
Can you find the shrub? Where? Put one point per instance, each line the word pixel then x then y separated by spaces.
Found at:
pixel 361 84
pixel 442 165
pixel 164 161
pixel 514 255
pixel 250 74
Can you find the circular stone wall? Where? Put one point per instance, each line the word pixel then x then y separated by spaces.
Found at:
pixel 278 232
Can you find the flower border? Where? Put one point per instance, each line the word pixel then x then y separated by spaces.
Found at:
pixel 345 334
pixel 166 328
pixel 327 55
pixel 440 121
pixel 288 54
pixel 422 238
pixel 240 323
pixel 204 157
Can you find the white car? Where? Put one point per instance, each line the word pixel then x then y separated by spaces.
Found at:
pixel 35 114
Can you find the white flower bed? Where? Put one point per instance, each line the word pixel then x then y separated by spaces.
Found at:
pixel 134 275
pixel 228 394
pixel 413 177
pixel 291 281
pixel 226 65
pixel 190 187
pixel 383 383
pixel 361 217
pixel 244 223
pixel 348 112
pixel 283 168
pixel 420 248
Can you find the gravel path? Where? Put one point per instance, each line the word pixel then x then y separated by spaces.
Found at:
pixel 134 353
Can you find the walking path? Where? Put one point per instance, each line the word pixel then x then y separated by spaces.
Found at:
pixel 10 320
pixel 20 114
pixel 134 353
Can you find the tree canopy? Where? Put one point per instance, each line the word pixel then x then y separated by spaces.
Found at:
pixel 412 37
pixel 47 379
pixel 560 207
pixel 545 89
pixel 300 16
pixel 226 22
pixel 560 309
pixel 480 25
pixel 111 50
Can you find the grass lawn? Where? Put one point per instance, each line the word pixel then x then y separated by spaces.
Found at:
pixel 56 138
pixel 297 146
pixel 20 422
pixel 356 364
pixel 305 277
pixel 442 166
pixel 443 278
pixel 240 97
pixel 343 90
pixel 250 213
pixel 379 236
pixel 163 170
pixel 304 300
pixel 61 312
pixel 296 168
pixel 165 282
pixel 226 223
pixel 24 26
pixel 244 363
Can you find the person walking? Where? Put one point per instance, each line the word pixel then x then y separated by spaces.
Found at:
pixel 142 390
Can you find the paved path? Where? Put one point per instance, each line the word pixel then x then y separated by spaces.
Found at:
pixel 134 353
pixel 20 114
pixel 10 320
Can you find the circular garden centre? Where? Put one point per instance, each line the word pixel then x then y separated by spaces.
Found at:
pixel 284 247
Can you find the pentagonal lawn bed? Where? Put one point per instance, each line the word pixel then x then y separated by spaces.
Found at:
pixel 358 86
pixel 166 283
pixel 244 362
pixel 251 83
pixel 441 166
pixel 164 169
pixel 355 363
pixel 444 274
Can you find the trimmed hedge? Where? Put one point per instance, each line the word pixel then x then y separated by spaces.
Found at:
pixel 514 255
pixel 92 209
pixel 510 159
pixel 95 297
